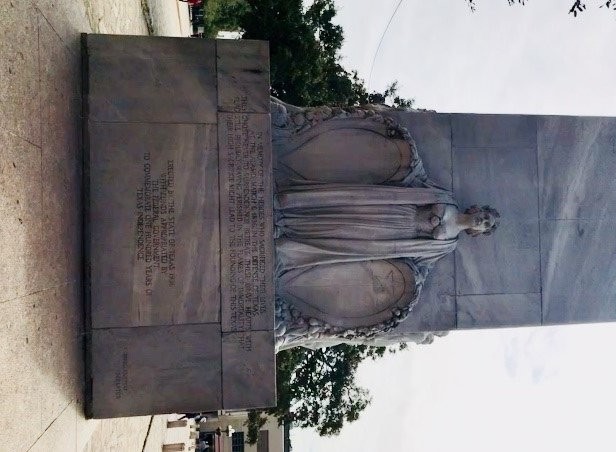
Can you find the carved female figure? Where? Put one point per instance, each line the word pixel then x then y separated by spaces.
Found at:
pixel 358 224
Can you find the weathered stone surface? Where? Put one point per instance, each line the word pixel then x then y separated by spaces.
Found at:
pixel 248 369
pixel 20 223
pixel 436 308
pixel 154 224
pixel 20 375
pixel 20 100
pixel 243 76
pixel 505 262
pixel 150 79
pixel 61 160
pixel 432 134
pixel 495 163
pixel 40 257
pixel 156 369
pixel 503 177
pixel 578 270
pixel 349 294
pixel 577 162
pixel 511 131
pixel 61 434
pixel 497 311
pixel 246 216
pixel 69 19
pixel 57 314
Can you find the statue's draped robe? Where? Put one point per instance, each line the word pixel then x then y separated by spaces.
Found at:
pixel 333 223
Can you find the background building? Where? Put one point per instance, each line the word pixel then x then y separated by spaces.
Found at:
pixel 271 435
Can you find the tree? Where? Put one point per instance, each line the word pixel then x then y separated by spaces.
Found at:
pixel 304 49
pixel 317 388
pixel 254 423
pixel 305 45
pixel 304 53
pixel 576 8
pixel 579 6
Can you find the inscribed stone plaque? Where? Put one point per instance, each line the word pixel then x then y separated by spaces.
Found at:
pixel 248 368
pixel 151 79
pixel 138 371
pixel 246 221
pixel 154 224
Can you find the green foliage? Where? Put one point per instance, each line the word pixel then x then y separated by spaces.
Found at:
pixel 317 388
pixel 304 45
pixel 304 50
pixel 254 423
pixel 222 15
pixel 390 97
pixel 577 7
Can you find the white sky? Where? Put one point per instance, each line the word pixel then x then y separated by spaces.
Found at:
pixel 527 389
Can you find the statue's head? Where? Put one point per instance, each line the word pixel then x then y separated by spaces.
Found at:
pixel 484 220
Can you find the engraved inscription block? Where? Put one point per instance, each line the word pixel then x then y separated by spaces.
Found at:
pixel 247 291
pixel 147 370
pixel 178 220
pixel 154 224
pixel 248 368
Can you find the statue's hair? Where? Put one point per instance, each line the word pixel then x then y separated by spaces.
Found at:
pixel 475 209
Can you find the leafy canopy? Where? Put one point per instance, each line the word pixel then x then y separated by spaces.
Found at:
pixel 317 388
pixel 305 48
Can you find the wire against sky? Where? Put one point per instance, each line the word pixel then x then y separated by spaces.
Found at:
pixel 381 42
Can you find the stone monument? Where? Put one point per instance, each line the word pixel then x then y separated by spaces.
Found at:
pixel 223 225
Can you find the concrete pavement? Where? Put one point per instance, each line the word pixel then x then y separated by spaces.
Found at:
pixel 41 320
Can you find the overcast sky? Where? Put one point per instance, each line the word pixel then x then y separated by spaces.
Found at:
pixel 530 389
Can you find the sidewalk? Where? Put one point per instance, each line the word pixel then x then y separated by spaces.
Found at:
pixel 41 320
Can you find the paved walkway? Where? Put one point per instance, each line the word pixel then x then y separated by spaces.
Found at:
pixel 41 321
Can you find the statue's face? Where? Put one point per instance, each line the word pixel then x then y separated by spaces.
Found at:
pixel 482 221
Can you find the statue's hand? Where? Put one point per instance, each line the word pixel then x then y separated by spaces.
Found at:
pixel 435 221
pixel 439 233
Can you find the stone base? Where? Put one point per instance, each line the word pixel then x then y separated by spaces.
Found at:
pixel 178 239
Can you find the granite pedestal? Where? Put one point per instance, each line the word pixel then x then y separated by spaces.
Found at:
pixel 179 247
